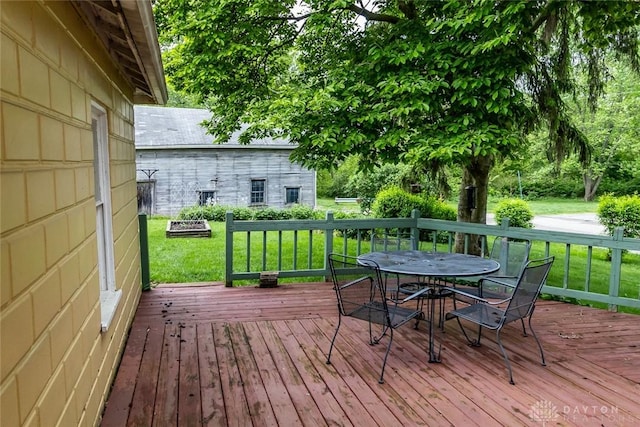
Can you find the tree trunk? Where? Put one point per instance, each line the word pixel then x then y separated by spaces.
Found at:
pixel 475 174
pixel 590 186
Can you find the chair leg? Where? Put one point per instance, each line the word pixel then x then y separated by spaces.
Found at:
pixel 474 343
pixel 538 342
pixel 506 358
pixel 335 334
pixel 420 305
pixel 524 329
pixel 386 354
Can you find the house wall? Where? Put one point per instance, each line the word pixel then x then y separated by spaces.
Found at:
pixel 56 366
pixel 181 172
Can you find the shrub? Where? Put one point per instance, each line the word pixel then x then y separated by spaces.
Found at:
pixel 351 233
pixel 302 212
pixel 516 210
pixel 242 213
pixel 435 208
pixel 394 202
pixel 621 211
pixel 270 214
pixel 210 213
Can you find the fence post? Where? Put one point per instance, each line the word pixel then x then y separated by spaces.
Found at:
pixel 144 251
pixel 328 242
pixel 616 268
pixel 415 232
pixel 228 269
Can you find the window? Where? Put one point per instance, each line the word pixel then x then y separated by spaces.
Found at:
pixel 109 295
pixel 206 197
pixel 292 195
pixel 257 191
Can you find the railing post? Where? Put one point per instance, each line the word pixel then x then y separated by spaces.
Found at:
pixel 328 242
pixel 144 252
pixel 415 232
pixel 616 268
pixel 228 268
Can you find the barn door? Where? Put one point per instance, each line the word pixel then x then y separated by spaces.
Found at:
pixel 146 190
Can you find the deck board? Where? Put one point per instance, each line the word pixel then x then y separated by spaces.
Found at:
pixel 245 356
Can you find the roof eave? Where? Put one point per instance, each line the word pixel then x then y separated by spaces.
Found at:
pixel 142 27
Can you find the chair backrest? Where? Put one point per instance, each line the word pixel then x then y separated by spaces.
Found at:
pixel 356 285
pixel 530 282
pixel 392 243
pixel 511 254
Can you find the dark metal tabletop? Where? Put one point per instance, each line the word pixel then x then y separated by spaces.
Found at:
pixel 433 264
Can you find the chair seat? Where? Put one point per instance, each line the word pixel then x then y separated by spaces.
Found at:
pixel 487 292
pixel 375 313
pixel 488 316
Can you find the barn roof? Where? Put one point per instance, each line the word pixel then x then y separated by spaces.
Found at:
pixel 172 128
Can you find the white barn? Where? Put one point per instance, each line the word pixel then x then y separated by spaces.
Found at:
pixel 178 165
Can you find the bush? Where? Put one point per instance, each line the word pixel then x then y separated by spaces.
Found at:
pixel 394 202
pixel 302 212
pixel 518 212
pixel 218 213
pixel 351 233
pixel 270 214
pixel 210 213
pixel 435 208
pixel 621 211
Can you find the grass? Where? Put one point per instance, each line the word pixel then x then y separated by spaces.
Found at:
pixel 550 206
pixel 184 260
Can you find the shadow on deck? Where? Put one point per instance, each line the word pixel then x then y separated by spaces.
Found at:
pixel 248 356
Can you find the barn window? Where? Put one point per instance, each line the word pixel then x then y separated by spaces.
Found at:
pixel 292 195
pixel 206 197
pixel 257 191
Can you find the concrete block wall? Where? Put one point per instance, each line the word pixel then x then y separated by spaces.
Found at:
pixel 56 366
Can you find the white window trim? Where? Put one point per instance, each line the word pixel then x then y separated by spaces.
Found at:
pixel 109 295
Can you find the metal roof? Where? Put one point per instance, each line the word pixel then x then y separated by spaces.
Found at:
pixel 167 127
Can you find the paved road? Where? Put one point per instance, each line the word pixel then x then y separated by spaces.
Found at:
pixel 586 223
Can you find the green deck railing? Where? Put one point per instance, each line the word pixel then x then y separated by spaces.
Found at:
pixel 588 267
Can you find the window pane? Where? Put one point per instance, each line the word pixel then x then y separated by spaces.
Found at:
pixel 257 191
pixel 292 195
pixel 207 198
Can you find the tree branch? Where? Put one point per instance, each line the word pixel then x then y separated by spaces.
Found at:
pixel 544 15
pixel 372 16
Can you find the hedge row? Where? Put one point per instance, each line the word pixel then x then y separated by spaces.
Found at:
pixel 217 213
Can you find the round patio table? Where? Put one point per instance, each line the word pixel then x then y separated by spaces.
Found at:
pixel 430 264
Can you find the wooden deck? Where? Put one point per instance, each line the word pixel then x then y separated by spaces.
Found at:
pixel 247 356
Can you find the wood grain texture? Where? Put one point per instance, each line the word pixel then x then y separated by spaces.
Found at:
pixel 217 356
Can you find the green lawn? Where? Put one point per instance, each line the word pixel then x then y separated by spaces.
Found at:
pixel 181 260
pixel 539 207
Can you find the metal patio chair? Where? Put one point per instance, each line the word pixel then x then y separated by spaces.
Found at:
pixel 394 243
pixel 361 294
pixel 512 255
pixel 408 285
pixel 520 304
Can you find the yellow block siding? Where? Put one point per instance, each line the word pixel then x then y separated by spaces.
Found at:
pixel 13 201
pixel 27 253
pixel 56 367
pixel 34 78
pixel 20 139
pixel 9 69
pixel 52 141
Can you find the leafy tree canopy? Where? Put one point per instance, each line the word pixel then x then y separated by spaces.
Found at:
pixel 422 82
